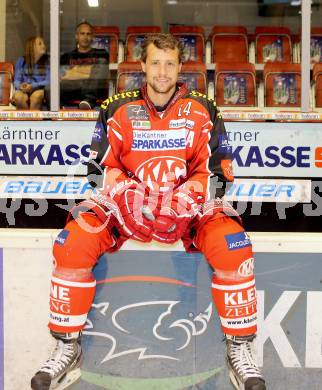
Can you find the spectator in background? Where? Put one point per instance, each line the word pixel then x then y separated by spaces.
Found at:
pixel 31 75
pixel 84 71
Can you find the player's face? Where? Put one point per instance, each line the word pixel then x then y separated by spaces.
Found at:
pixel 84 37
pixel 161 70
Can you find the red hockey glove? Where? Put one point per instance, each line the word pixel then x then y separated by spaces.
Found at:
pixel 216 208
pixel 125 201
pixel 109 198
pixel 174 215
pixel 136 224
pixel 120 187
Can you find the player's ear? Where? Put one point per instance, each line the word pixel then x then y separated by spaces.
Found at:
pixel 143 66
pixel 180 66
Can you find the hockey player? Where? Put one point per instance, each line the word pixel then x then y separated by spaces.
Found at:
pixel 159 158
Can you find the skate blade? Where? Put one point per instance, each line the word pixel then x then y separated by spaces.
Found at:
pixel 234 381
pixel 70 378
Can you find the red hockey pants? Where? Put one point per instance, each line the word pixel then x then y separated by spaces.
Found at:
pixel 223 242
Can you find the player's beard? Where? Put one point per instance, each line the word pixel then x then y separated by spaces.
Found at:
pixel 156 88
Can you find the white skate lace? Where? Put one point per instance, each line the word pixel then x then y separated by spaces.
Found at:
pixel 240 354
pixel 62 357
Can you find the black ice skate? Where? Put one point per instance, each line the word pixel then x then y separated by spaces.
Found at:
pixel 62 368
pixel 243 371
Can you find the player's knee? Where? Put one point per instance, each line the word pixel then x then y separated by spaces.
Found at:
pixel 76 247
pixel 70 248
pixel 244 269
pixel 226 245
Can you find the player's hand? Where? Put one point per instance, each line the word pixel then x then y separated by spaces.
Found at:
pixel 174 215
pixel 125 200
pixel 137 224
pixel 131 199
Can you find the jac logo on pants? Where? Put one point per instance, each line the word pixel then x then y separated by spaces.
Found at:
pixel 237 241
pixel 62 237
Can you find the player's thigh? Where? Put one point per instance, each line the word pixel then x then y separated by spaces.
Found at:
pixel 81 243
pixel 224 243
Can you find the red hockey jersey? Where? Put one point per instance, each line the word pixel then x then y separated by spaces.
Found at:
pixel 187 143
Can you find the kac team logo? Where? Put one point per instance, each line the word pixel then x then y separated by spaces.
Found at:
pixel 247 267
pixel 161 170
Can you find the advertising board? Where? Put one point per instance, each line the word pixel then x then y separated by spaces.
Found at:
pixel 77 187
pixel 260 149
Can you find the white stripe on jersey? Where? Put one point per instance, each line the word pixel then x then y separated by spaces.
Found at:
pixel 112 119
pixel 118 135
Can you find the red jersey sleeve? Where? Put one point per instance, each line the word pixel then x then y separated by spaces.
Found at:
pixel 211 168
pixel 104 166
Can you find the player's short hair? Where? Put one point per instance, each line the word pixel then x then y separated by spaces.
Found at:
pixel 162 41
pixel 82 23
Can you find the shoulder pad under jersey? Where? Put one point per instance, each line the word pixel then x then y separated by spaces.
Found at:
pixel 206 101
